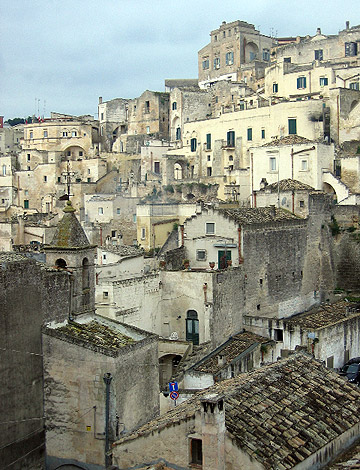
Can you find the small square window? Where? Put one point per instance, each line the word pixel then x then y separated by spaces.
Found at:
pixel 304 165
pixel 302 204
pixel 59 179
pixel 45 133
pixel 64 134
pixel 81 153
pixel 301 83
pixel 319 54
pixel 278 334
pixel 324 81
pixel 113 233
pixel 26 192
pixel 201 255
pixel 73 134
pixel 210 228
pixel 118 210
pixel 105 295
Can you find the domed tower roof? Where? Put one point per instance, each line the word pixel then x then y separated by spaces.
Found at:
pixel 69 233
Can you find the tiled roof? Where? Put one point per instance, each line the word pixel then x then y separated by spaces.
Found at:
pixel 324 315
pixel 9 257
pixel 279 414
pixel 69 233
pixel 288 185
pixel 96 333
pixel 258 215
pixel 288 140
pixel 229 351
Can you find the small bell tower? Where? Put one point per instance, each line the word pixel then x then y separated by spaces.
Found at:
pixel 71 251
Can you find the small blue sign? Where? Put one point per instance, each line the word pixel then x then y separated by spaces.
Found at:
pixel 173 386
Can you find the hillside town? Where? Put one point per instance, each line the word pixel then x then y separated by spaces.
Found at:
pixel 180 274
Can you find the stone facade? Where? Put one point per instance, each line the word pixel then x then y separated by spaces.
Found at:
pixel 76 358
pixel 233 46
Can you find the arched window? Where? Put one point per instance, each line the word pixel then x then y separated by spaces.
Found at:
pixel 60 263
pixel 192 327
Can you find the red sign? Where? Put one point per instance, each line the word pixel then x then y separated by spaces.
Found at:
pixel 174 395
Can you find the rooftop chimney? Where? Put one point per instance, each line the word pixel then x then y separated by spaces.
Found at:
pixel 347 25
pixel 100 99
pixel 318 31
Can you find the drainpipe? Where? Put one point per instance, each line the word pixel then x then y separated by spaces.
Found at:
pixel 182 234
pixel 338 118
pixel 252 177
pixel 107 381
pixel 241 260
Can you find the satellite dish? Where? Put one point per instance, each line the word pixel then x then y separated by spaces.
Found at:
pixel 174 336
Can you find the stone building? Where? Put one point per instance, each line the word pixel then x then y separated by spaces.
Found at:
pixel 29 295
pixel 78 358
pixel 294 157
pixel 233 47
pixel 70 250
pixel 252 421
pixel 10 138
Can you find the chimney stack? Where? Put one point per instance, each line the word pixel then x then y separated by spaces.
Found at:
pixel 100 99
pixel 347 25
pixel 318 31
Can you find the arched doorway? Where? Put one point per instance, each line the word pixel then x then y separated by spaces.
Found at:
pixel 192 327
pixel 178 173
pixel 167 368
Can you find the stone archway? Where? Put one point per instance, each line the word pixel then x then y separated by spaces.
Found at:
pixel 167 368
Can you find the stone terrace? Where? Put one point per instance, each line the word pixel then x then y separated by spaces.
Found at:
pixel 279 414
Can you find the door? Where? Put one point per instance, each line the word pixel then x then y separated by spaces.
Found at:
pixel 222 259
pixel 192 327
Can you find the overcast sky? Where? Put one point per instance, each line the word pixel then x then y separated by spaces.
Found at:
pixel 67 53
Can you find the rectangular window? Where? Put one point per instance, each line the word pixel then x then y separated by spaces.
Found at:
pixel 118 210
pixel 81 153
pixel 45 179
pixel 216 63
pixel 134 217
pixel 252 56
pixel 143 233
pixel 147 106
pixel 31 135
pixel 113 233
pixel 193 144
pixel 304 165
pixel 105 294
pixel 351 49
pixel 45 133
pixel 208 141
pixel 210 228
pixel 26 204
pixel 230 139
pixel 266 55
pixel 89 180
pixel 249 133
pixel 4 170
pixel 272 162
pixel 354 86
pixel 301 83
pixel 102 116
pixel 59 179
pixel 229 57
pixel 201 255
pixel 302 204
pixel 148 129
pixel 292 126
pixel 196 451
pixel 26 192
pixel 208 171
pixel 205 64
pixel 157 167
pixel 100 210
pixel 64 134
pixel 323 81
pixel 73 134
pixel 275 87
pixel 28 157
pixel 287 60
pixel 319 54
pixel 174 106
pixel 278 334
pixel 263 133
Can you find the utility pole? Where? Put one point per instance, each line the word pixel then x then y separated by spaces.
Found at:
pixel 107 381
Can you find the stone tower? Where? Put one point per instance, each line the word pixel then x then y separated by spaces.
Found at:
pixel 71 251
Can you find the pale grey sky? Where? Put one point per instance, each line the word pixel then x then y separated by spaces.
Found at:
pixel 67 53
